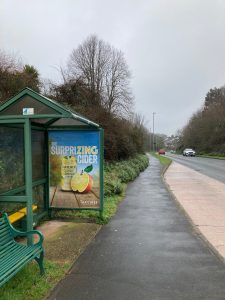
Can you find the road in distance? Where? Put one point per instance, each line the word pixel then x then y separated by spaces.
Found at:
pixel 214 168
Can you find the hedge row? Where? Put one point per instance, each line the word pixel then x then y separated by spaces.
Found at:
pixel 121 172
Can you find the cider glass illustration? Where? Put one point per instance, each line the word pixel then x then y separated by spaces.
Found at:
pixel 68 169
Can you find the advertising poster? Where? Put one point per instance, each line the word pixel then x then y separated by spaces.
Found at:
pixel 74 169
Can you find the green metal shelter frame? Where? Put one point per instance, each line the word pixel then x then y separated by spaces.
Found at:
pixel 47 115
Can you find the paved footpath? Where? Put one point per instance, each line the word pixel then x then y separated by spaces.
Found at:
pixel 203 199
pixel 147 251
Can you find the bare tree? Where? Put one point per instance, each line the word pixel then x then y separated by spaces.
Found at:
pixel 9 63
pixel 88 63
pixel 118 98
pixel 105 73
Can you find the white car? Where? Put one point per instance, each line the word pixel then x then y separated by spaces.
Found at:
pixel 188 152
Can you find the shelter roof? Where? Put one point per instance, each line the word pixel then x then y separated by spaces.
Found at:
pixel 41 110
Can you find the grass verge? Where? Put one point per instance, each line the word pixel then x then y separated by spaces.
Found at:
pixel 165 161
pixel 28 284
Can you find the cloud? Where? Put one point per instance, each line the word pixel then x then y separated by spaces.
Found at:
pixel 175 49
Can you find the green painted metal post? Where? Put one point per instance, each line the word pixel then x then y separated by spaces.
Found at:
pixel 28 176
pixel 101 172
pixel 46 186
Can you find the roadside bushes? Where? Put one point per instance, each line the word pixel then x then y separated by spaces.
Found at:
pixel 205 130
pixel 212 154
pixel 116 176
pixel 113 185
pixel 118 173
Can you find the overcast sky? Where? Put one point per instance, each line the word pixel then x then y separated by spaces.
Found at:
pixel 175 48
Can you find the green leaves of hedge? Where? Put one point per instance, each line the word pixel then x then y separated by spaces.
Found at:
pixel 118 173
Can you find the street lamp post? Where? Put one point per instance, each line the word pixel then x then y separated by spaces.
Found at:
pixel 153 131
pixel 150 142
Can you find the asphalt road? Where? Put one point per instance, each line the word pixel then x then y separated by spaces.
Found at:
pixel 148 251
pixel 214 168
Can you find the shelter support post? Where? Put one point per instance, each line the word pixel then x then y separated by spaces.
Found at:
pixel 28 176
pixel 101 173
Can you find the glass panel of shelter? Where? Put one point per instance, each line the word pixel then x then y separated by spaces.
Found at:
pixel 38 154
pixel 39 197
pixel 11 158
pixel 12 165
pixel 39 170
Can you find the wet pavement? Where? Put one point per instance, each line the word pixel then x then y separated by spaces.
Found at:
pixel 147 251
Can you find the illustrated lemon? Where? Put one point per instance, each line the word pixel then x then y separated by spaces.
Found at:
pixel 81 183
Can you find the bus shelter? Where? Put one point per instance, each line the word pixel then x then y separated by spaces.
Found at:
pixel 50 158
